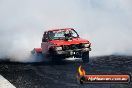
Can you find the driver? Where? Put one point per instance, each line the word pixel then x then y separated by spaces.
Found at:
pixel 68 35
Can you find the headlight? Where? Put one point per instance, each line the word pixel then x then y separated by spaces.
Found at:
pixel 58 48
pixel 86 45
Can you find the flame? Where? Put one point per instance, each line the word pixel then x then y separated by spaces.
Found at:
pixel 81 71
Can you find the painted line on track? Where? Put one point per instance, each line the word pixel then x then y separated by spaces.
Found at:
pixel 4 83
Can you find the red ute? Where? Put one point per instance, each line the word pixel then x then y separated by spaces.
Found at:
pixel 59 44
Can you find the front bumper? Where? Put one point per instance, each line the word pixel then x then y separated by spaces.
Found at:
pixel 75 52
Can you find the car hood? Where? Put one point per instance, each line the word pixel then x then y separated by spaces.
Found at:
pixel 69 42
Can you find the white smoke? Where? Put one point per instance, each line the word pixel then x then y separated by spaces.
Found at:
pixel 106 23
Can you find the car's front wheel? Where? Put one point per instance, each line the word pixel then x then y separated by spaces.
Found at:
pixel 85 57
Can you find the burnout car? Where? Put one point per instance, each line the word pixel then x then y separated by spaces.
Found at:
pixel 58 44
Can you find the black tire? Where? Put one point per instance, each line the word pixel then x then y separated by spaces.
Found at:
pixel 55 58
pixel 85 57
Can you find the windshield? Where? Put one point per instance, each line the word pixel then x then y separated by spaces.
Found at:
pixel 62 34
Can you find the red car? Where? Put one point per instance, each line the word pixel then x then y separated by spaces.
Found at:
pixel 58 44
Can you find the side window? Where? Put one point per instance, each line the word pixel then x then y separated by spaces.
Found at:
pixel 74 33
pixel 51 35
pixel 45 37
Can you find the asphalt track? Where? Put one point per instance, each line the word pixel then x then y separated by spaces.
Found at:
pixel 63 75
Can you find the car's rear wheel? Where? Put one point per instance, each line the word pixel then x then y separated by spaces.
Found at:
pixel 85 57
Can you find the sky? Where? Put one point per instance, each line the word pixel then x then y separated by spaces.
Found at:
pixel 107 24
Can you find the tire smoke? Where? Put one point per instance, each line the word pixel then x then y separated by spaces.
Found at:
pixel 107 24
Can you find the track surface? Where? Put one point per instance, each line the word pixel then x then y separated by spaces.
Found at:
pixel 63 75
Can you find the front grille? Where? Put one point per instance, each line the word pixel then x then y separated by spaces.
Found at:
pixel 72 47
pixel 66 47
